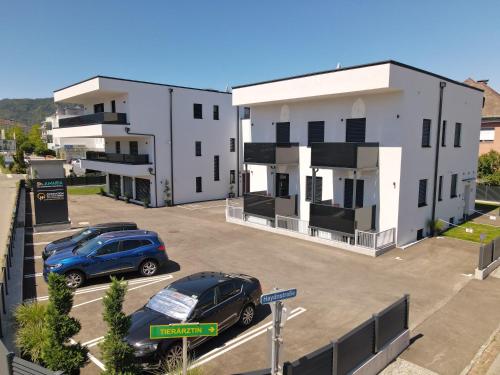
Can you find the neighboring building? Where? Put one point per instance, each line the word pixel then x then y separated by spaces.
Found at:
pixel 155 133
pixel 354 157
pixel 489 137
pixel 7 124
pixel 46 130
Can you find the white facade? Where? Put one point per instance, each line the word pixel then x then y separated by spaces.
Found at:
pixel 147 128
pixel 392 100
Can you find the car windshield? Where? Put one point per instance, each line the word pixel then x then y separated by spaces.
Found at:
pixel 87 247
pixel 83 234
pixel 172 303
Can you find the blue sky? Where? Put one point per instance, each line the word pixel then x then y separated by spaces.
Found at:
pixel 45 45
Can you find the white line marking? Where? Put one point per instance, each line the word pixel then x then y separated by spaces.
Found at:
pixel 58 231
pixel 38 274
pixel 240 340
pixel 93 341
pixel 92 358
pixel 33 258
pixel 37 243
pixel 197 207
pixel 86 223
pixel 466 274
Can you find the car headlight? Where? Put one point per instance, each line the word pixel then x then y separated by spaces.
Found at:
pixel 146 346
pixel 54 266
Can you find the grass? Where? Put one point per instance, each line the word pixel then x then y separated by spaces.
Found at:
pixel 84 190
pixel 459 232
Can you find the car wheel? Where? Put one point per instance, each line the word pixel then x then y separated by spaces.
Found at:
pixel 247 315
pixel 148 268
pixel 172 358
pixel 74 279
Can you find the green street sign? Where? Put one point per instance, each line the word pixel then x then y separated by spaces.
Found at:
pixel 171 331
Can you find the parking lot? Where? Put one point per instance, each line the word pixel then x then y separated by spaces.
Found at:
pixel 336 289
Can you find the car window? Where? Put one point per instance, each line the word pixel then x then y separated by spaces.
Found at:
pixel 87 248
pixel 227 290
pixel 109 248
pixel 131 244
pixel 145 242
pixel 206 300
pixel 172 303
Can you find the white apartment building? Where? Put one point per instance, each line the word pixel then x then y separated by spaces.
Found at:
pixel 362 157
pixel 155 135
pixel 46 130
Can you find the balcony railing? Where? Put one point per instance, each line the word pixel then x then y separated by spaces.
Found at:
pixel 94 118
pixel 344 155
pixel 271 153
pixel 261 204
pixel 345 220
pixel 117 158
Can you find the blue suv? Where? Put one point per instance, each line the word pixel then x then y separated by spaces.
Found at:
pixel 109 253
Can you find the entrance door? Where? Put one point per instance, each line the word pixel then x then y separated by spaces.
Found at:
pixel 282 132
pixel 282 184
pixel 466 199
pixel 349 192
pixel 245 182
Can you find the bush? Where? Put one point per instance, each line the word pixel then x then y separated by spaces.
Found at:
pixel 145 202
pixel 2 161
pixel 488 164
pixel 31 330
pixel 435 226
pixel 102 191
pixel 492 179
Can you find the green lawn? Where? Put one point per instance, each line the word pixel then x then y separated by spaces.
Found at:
pixel 459 232
pixel 84 190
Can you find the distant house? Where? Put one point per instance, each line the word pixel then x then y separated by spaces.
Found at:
pixel 7 124
pixel 490 122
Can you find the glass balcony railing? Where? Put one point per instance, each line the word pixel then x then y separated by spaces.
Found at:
pixel 94 118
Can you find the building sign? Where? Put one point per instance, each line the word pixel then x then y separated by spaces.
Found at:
pixel 51 200
pixel 171 331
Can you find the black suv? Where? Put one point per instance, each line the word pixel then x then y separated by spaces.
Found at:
pixel 205 297
pixel 83 236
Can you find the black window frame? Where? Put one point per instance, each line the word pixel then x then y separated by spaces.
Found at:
pixel 199 184
pixel 139 244
pixel 118 147
pixel 232 176
pixel 232 144
pixel 207 307
pixel 354 128
pixel 453 185
pixel 440 188
pixel 216 168
pixel 113 106
pixel 136 147
pixel 443 134
pixel 216 112
pixel 422 184
pixel 319 189
pixel 457 139
pixel 315 132
pixel 198 111
pixel 426 132
pixel 197 148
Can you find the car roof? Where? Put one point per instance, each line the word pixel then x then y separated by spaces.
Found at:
pixel 117 224
pixel 128 234
pixel 199 282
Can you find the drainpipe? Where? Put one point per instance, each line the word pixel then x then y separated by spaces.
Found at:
pixel 127 129
pixel 237 151
pixel 442 85
pixel 171 91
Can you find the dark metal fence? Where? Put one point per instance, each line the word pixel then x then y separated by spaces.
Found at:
pixel 86 180
pixel 488 253
pixel 344 355
pixel 488 193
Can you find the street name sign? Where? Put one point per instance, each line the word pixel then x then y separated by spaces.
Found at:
pixel 277 296
pixel 171 331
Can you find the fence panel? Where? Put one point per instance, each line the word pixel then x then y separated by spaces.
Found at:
pixel 354 348
pixel 256 372
pixel 496 249
pixel 488 193
pixel 391 322
pixel 365 239
pixel 293 224
pixel 234 212
pixel 22 367
pixel 485 255
pixel 318 362
pixel 385 238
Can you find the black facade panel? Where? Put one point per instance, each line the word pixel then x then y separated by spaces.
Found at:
pixel 337 154
pixel 332 218
pixel 259 205
pixel 94 118
pixel 356 347
pixel 260 153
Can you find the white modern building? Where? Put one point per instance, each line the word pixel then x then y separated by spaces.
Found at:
pixel 46 130
pixel 161 142
pixel 363 157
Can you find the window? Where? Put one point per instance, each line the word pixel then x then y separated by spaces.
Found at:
pixel 453 189
pixel 232 176
pixel 315 132
pixel 420 234
pixel 319 189
pixel 216 168
pixel 131 244
pixel 282 132
pixel 228 290
pixel 134 148
pixel 355 130
pixel 443 135
pixel 246 113
pixel 451 220
pixel 216 112
pixel 426 133
pixel 206 301
pixel 113 106
pixel 117 147
pixel 109 248
pixel 487 135
pixel 98 108
pixel 198 184
pixel 232 145
pixel 197 111
pixel 458 131
pixel 440 189
pixel 197 146
pixel 422 193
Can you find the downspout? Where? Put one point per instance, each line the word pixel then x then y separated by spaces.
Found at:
pixel 442 85
pixel 170 90
pixel 127 129
pixel 237 151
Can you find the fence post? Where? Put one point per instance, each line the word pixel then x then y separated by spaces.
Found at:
pixel 2 290
pixel 335 359
pixel 10 359
pixel 375 333
pixel 287 368
pixel 5 285
pixel 407 317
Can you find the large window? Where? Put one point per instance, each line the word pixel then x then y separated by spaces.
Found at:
pixel 198 184
pixel 216 112
pixel 216 168
pixel 422 193
pixel 458 134
pixel 197 147
pixel 453 189
pixel 426 133
pixel 197 110
pixel 443 135
pixel 232 145
pixel 318 189
pixel 355 130
pixel 315 132
pixel 440 188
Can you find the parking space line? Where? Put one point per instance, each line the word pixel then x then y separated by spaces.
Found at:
pixel 30 275
pixel 93 342
pixel 92 358
pixel 241 340
pixel 37 243
pixel 33 257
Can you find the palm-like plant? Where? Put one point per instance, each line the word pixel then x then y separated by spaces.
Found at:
pixel 31 330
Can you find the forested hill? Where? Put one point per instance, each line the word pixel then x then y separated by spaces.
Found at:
pixel 26 111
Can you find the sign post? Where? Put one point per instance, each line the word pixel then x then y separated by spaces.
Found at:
pixel 184 330
pixel 280 314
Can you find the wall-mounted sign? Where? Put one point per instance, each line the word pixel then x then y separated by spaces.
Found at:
pixel 51 201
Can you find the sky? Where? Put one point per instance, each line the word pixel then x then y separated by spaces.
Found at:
pixel 46 45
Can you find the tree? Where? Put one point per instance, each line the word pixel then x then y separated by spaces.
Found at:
pixel 118 355
pixel 58 353
pixel 488 164
pixel 31 330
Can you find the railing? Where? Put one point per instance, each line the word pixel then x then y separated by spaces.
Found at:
pixel 344 155
pixel 93 119
pixel 292 224
pixel 385 238
pixel 234 212
pixel 346 220
pixel 259 204
pixel 271 153
pixel 117 158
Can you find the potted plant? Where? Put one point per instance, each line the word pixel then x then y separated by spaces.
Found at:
pixel 116 193
pixel 168 199
pixel 128 197
pixel 231 191
pixel 145 202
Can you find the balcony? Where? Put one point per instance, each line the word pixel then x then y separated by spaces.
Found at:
pixel 344 155
pixel 117 158
pixel 260 204
pixel 345 220
pixel 94 119
pixel 271 153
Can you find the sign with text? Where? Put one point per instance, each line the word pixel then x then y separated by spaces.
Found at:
pixel 278 296
pixel 51 200
pixel 172 331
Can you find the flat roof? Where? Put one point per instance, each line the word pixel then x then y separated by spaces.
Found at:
pixel 362 66
pixel 145 82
